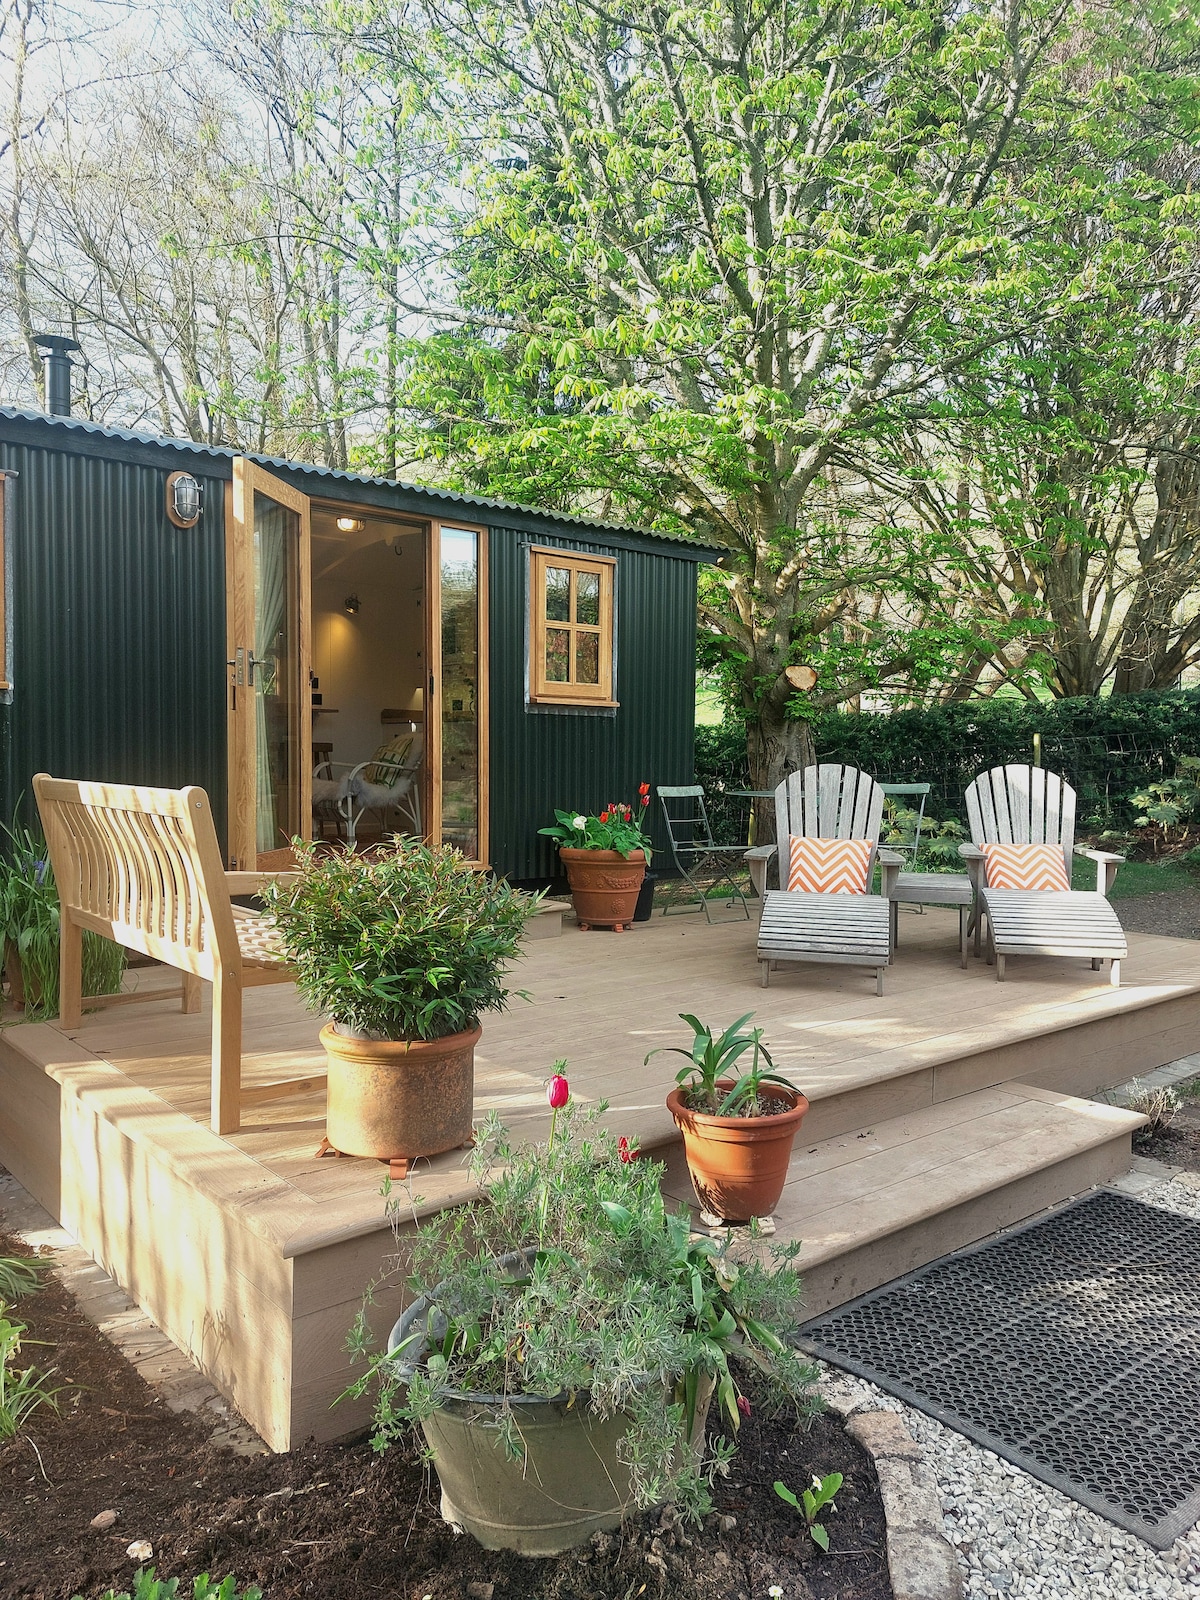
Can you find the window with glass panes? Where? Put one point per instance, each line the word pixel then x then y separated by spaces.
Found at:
pixel 571 639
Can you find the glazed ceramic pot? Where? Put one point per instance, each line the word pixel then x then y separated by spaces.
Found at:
pixel 399 1097
pixel 604 886
pixel 738 1165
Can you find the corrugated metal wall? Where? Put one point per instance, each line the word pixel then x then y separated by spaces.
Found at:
pixel 118 624
pixel 543 757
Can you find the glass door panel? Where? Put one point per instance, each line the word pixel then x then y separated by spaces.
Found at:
pixel 275 673
pixel 460 690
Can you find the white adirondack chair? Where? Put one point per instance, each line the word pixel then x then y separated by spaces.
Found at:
pixel 1027 805
pixel 825 802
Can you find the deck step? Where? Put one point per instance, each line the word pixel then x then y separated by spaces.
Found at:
pixel 874 1204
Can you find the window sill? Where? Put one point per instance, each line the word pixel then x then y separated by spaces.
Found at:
pixel 574 704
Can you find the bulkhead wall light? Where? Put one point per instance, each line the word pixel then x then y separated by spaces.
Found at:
pixel 351 604
pixel 350 524
pixel 185 499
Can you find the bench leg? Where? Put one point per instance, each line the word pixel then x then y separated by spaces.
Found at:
pixel 962 937
pixel 227 1052
pixel 879 980
pixel 1114 974
pixel 765 973
pixel 190 991
pixel 1096 963
pixel 70 973
pixel 999 968
pixel 895 916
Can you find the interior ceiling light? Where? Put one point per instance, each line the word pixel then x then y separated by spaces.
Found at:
pixel 350 524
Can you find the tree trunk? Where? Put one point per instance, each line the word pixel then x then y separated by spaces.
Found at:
pixel 776 745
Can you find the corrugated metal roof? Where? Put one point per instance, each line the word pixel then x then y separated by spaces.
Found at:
pixel 337 475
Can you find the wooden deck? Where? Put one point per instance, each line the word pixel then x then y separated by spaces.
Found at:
pixel 253 1252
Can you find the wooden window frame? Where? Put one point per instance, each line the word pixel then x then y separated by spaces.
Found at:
pixel 543 691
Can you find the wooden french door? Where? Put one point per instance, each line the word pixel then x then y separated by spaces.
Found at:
pixel 268 630
pixel 456 710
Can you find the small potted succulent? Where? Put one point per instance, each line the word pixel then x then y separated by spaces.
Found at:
pixel 403 950
pixel 605 858
pixel 738 1126
pixel 567 1336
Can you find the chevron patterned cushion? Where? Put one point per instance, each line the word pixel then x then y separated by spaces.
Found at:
pixel 829 866
pixel 1025 866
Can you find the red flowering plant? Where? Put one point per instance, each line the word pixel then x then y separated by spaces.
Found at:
pixel 617 827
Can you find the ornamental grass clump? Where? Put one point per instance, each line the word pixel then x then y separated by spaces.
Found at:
pixel 409 942
pixel 572 1280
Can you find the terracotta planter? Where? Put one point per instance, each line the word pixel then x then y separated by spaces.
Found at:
pixel 397 1098
pixel 604 886
pixel 738 1165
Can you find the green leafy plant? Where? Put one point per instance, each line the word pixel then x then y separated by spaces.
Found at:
pixel 1171 804
pixel 410 942
pixel 812 1502
pixel 937 846
pixel 712 1060
pixel 618 827
pixel 21 1391
pixel 147 1587
pixel 29 922
pixel 572 1278
pixel 19 1276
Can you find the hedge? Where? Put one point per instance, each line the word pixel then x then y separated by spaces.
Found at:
pixel 1107 746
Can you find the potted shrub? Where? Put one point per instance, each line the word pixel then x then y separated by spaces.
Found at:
pixel 605 858
pixel 403 950
pixel 738 1127
pixel 567 1335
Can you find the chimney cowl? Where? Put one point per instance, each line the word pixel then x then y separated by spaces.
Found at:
pixel 56 351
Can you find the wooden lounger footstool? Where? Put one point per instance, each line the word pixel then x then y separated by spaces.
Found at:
pixel 852 929
pixel 1071 922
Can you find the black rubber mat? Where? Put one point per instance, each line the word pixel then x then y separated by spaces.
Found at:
pixel 1070 1346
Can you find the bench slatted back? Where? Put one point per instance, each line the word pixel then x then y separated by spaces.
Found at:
pixel 141 866
pixel 1022 805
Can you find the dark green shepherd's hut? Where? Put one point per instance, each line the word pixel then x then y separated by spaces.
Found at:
pixel 175 613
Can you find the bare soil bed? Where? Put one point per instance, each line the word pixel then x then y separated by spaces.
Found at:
pixel 339 1522
pixel 1179 1144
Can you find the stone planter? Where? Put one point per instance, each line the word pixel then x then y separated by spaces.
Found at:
pixel 399 1098
pixel 738 1165
pixel 571 1483
pixel 604 886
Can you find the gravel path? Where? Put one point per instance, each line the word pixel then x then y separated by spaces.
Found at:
pixel 1016 1536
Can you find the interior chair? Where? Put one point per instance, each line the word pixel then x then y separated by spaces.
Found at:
pixel 1022 822
pixel 388 782
pixel 827 825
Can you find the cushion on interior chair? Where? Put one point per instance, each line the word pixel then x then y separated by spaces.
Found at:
pixel 829 866
pixel 1025 866
pixel 388 759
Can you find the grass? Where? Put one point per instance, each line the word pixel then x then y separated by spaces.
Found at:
pixel 1137 877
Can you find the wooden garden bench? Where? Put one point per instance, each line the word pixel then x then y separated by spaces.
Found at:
pixel 143 867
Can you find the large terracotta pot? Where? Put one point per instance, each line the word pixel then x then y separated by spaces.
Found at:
pixel 393 1098
pixel 604 886
pixel 738 1165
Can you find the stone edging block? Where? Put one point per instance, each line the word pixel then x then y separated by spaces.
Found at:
pixel 921 1562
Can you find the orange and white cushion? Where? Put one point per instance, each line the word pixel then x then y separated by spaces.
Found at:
pixel 829 866
pixel 1025 866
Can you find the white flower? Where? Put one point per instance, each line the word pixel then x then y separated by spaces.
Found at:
pixel 579 822
pixel 775 1592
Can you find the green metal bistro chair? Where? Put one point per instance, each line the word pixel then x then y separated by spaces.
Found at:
pixel 704 864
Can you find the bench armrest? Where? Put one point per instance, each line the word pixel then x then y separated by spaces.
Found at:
pixel 254 882
pixel 757 858
pixel 976 866
pixel 1106 866
pixel 890 862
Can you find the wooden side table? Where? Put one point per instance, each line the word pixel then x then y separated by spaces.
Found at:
pixel 934 889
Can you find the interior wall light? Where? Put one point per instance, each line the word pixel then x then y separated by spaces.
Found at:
pixel 351 604
pixel 350 524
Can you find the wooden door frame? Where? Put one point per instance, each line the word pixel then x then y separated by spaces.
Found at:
pixel 433 694
pixel 249 478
